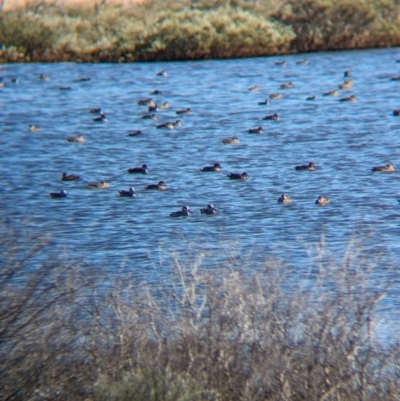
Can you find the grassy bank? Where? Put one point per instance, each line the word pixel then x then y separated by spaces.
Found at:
pixel 239 332
pixel 170 30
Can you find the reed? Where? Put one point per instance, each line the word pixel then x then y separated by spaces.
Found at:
pixel 243 331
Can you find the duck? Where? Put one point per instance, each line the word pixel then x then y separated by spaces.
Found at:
pixel 276 95
pixel 230 141
pixel 61 194
pixel 346 84
pixel 184 212
pixel 99 185
pixel 164 105
pixel 149 117
pixel 351 98
pixel 334 92
pixel 210 209
pixel 216 167
pixel 129 193
pixel 284 199
pixel 347 74
pixel 264 102
pixel 138 170
pixel 33 127
pixel 96 110
pixel 101 117
pixel 152 108
pixel 145 102
pixel 385 169
pixel 160 186
pixel 44 77
pixel 238 176
pixel 64 88
pixel 83 79
pixel 134 132
pixel 287 85
pixel 258 130
pixel 188 110
pixel 310 166
pixel 70 177
pixel 254 88
pixel 170 124
pixel 76 138
pixel 274 117
pixel 311 97
pixel 162 73
pixel 322 200
pixel 396 112
pixel 302 62
pixel 283 62
pixel 156 92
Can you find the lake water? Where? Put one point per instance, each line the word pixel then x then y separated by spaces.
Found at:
pixel 344 139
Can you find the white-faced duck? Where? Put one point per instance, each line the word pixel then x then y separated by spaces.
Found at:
pixel 138 170
pixel 161 186
pixel 334 92
pixel 254 88
pixel 164 105
pixel 76 138
pixel 322 200
pixel 134 132
pixel 287 85
pixel 276 95
pixel 61 194
pixel 284 199
pixel 216 167
pixel 188 110
pixel 264 102
pixel 210 209
pixel 273 117
pixel 99 185
pixel 33 127
pixel 238 176
pixel 131 193
pixel 148 101
pixel 184 212
pixel 258 130
pixel 170 124
pixel 302 62
pixel 162 73
pixel 384 169
pixel 281 63
pixel 310 97
pixel 351 99
pixel 96 110
pixel 69 177
pixel 100 118
pixel 346 84
pixel 156 92
pixel 230 141
pixel 149 117
pixel 309 167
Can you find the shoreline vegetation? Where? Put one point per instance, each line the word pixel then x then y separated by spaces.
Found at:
pixel 193 29
pixel 242 331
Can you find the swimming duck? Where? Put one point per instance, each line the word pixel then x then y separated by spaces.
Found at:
pixel 162 73
pixel 287 85
pixel 385 169
pixel 146 101
pixel 64 88
pixel 284 199
pixel 231 141
pixel 216 167
pixel 264 102
pixel 96 110
pixel 161 186
pixel 14 80
pixel 134 133
pixel 44 77
pixel 129 193
pixel 310 98
pixel 61 194
pixel 351 98
pixel 310 166
pixel 283 62
pixel 302 62
pixel 258 130
pixel 346 84
pixel 152 108
pixel 334 92
pixel 99 185
pixel 164 105
pixel 238 176
pixel 69 177
pixel 156 92
pixel 274 117
pixel 185 211
pixel 33 127
pixel 188 110
pixel 138 170
pixel 254 88
pixel 101 117
pixel 210 209
pixel 275 95
pixel 76 138
pixel 396 112
pixel 170 124
pixel 149 117
pixel 322 200
pixel 347 74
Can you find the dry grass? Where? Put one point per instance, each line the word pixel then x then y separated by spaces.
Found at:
pixel 244 331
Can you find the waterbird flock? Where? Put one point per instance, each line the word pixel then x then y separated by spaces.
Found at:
pixel 153 107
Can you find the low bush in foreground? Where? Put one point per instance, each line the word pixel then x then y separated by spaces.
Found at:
pixel 241 331
pixel 190 29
